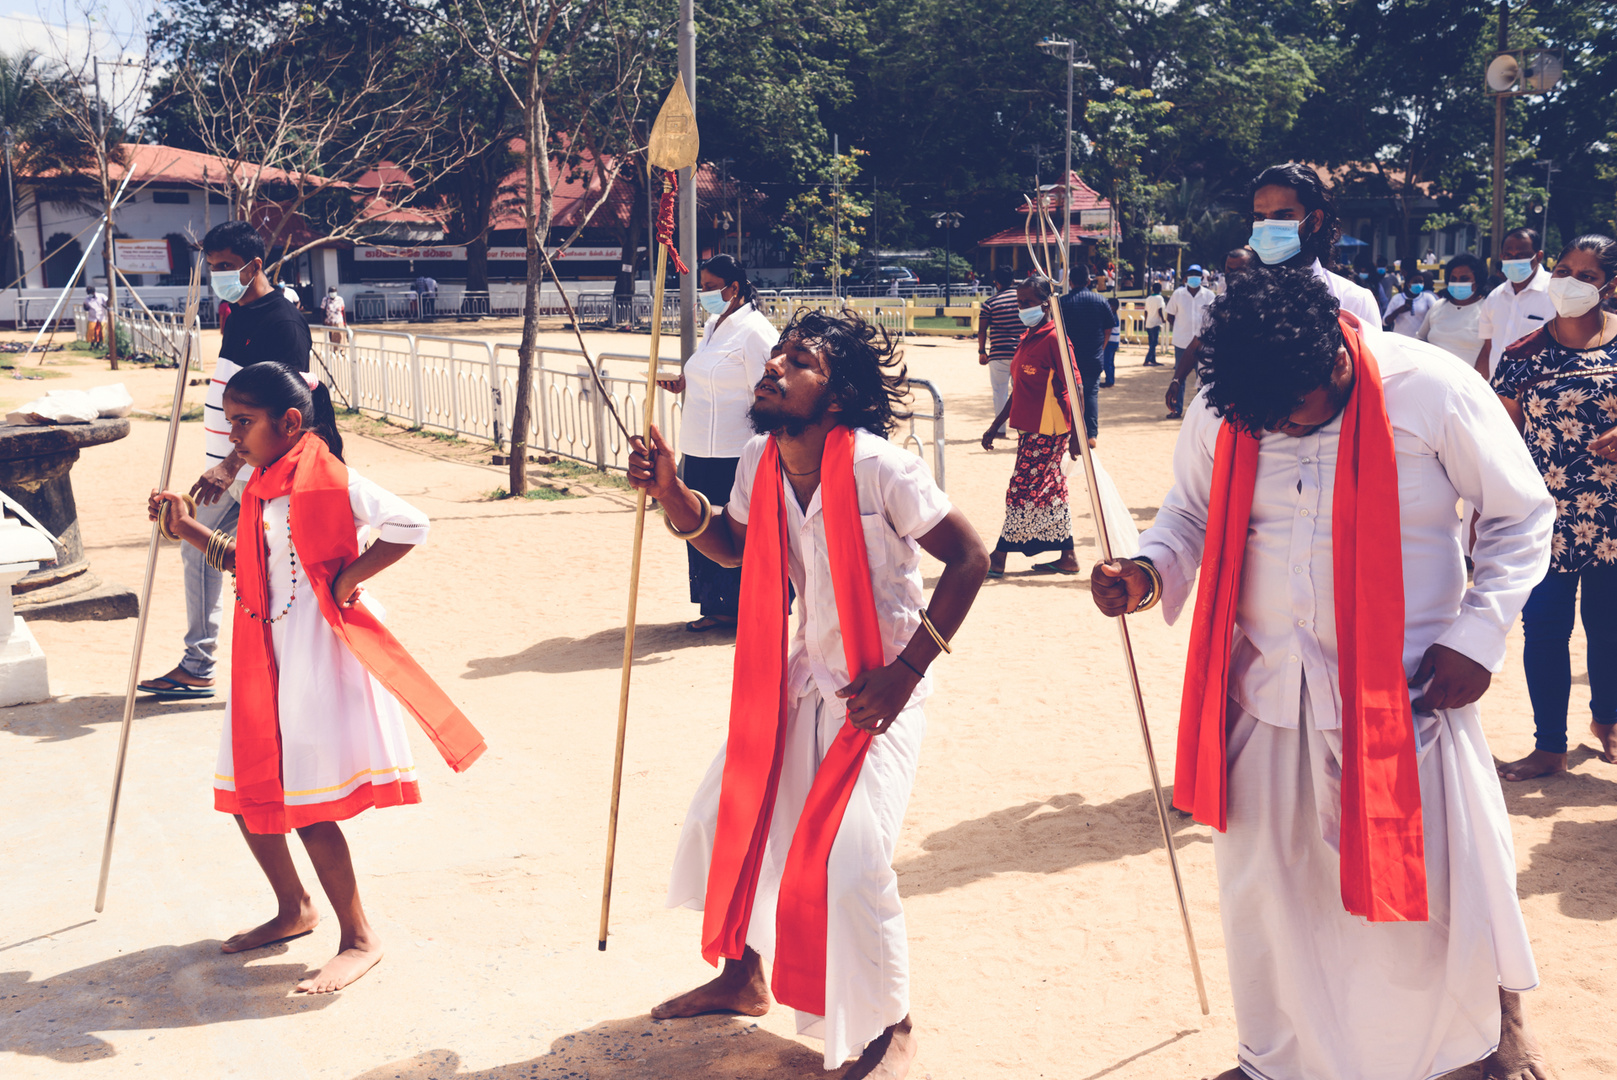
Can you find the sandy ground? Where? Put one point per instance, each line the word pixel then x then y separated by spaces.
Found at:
pixel 1044 934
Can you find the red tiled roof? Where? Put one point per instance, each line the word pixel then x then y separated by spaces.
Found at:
pixel 1084 197
pixel 1016 237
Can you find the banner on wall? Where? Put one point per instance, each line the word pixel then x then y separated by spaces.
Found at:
pixel 1094 219
pixel 143 256
pixel 576 253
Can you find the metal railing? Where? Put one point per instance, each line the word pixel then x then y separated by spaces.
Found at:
pixel 909 438
pixel 160 334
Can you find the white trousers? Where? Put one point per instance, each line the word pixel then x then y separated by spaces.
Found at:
pixel 867 970
pixel 1324 995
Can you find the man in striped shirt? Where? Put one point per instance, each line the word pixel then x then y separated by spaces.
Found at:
pixel 263 325
pixel 999 332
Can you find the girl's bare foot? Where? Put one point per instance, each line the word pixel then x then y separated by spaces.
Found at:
pixel 285 925
pixel 1606 736
pixel 739 988
pixel 344 968
pixel 888 1056
pixel 1538 763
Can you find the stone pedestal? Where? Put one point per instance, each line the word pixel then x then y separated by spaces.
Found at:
pixel 36 462
pixel 22 662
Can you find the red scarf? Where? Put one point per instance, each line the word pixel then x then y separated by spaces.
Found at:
pixel 758 716
pixel 323 536
pixel 1383 865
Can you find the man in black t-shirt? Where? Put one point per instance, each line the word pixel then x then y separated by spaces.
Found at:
pixel 1088 319
pixel 263 325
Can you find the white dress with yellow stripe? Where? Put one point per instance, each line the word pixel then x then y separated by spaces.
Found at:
pixel 342 733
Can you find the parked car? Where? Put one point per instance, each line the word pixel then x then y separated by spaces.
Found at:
pixel 883 277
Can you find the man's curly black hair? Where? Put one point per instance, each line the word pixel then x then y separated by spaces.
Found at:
pixel 1271 339
pixel 868 376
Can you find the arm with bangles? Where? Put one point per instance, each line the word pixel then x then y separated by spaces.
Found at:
pixel 220 548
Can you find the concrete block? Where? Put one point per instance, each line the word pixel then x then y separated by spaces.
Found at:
pixel 22 668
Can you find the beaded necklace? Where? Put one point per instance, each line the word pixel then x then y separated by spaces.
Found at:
pixel 292 557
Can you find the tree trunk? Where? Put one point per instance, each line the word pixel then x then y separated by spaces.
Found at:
pixel 537 204
pixel 477 262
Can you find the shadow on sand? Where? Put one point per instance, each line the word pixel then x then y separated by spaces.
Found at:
pixel 162 988
pixel 598 652
pixel 636 1048
pixel 66 718
pixel 1046 837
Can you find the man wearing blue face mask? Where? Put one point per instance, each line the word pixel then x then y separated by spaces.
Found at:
pixel 1519 306
pixel 1408 309
pixel 263 325
pixel 1294 223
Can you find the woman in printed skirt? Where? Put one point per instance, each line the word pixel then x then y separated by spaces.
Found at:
pixel 717 382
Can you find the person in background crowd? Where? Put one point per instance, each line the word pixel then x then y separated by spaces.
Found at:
pixel 1518 306
pixel 1154 305
pixel 1365 276
pixel 999 331
pixel 1184 314
pixel 1037 516
pixel 426 291
pixel 1408 309
pixel 718 382
pixel 1389 277
pixel 290 291
pixel 263 326
pixel 95 317
pixel 1559 385
pixel 1113 342
pixel 1294 223
pixel 1451 323
pixel 1088 320
pixel 334 313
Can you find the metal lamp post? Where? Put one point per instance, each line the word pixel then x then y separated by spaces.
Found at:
pixel 948 221
pixel 1055 47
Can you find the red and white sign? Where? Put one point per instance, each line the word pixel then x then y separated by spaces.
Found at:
pixel 143 256
pixel 458 254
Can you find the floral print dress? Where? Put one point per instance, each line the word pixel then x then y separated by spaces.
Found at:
pixel 1568 397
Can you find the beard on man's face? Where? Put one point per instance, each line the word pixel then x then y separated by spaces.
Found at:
pixel 769 418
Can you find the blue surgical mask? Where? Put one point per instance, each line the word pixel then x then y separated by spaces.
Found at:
pixel 227 285
pixel 713 300
pixel 1276 241
pixel 1364 275
pixel 1460 290
pixel 1194 281
pixel 1416 288
pixel 1030 316
pixel 1517 270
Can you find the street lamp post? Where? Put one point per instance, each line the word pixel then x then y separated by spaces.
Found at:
pixel 1054 47
pixel 948 221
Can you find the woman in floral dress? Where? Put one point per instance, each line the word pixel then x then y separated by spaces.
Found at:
pixel 1560 386
pixel 1037 518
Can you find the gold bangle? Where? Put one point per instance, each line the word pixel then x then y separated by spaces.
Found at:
pixel 926 621
pixel 1155 575
pixel 218 547
pixel 707 519
pixel 163 512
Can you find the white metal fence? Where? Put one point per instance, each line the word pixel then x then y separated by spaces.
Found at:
pixel 159 335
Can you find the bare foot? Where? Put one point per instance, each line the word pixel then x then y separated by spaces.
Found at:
pixel 1518 1056
pixel 1229 1074
pixel 344 968
pixel 888 1056
pixel 1606 736
pixel 284 926
pixel 740 988
pixel 1538 763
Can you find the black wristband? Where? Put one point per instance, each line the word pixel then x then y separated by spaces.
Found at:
pixel 919 674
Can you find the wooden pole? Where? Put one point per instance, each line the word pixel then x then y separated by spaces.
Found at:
pixel 1076 396
pixel 192 296
pixel 634 590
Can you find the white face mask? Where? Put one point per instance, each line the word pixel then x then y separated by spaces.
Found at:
pixel 1572 297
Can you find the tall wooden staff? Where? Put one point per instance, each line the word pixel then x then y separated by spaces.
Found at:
pixel 192 296
pixel 1037 210
pixel 673 146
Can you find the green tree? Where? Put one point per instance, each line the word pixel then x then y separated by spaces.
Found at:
pixel 824 224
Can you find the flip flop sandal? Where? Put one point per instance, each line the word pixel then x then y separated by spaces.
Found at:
pixel 706 623
pixel 1050 568
pixel 996 573
pixel 175 690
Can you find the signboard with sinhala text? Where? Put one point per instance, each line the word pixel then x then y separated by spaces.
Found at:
pixel 142 256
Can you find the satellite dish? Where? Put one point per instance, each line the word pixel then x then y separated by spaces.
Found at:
pixel 1503 73
pixel 1543 71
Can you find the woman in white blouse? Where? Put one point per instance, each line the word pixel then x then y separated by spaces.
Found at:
pixel 1451 323
pixel 717 382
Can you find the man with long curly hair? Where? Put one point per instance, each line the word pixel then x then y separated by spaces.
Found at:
pixel 1328 727
pixel 788 845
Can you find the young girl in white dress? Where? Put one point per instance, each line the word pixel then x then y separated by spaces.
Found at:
pixel 314 733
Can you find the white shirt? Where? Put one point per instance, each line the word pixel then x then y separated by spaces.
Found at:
pixel 1153 310
pixel 1450 326
pixel 1351 297
pixel 719 379
pixel 1453 441
pixel 1188 310
pixel 1508 315
pixel 897 503
pixel 1408 320
pixel 216 440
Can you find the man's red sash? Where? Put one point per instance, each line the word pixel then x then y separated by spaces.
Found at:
pixel 758 717
pixel 323 535
pixel 1383 864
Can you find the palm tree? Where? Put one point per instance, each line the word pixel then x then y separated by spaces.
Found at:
pixel 22 107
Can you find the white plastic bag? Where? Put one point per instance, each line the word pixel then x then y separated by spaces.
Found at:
pixel 1120 527
pixel 57 407
pixel 112 401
